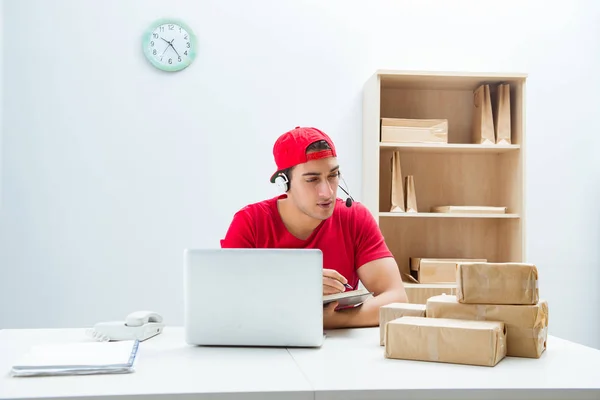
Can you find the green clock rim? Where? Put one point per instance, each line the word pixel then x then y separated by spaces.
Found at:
pixel 146 43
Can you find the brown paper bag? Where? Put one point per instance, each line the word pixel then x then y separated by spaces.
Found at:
pixel 483 121
pixel 502 116
pixel 397 189
pixel 411 197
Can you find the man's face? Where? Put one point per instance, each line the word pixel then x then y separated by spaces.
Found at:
pixel 314 187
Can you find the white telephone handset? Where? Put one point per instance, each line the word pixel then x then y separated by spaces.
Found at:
pixel 140 325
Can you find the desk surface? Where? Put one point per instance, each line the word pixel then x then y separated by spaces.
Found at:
pixel 350 365
pixel 166 368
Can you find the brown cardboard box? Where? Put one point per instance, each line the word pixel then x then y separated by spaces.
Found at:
pixel 393 311
pixel 418 293
pixel 497 283
pixel 404 130
pixel 446 340
pixel 526 326
pixel 437 270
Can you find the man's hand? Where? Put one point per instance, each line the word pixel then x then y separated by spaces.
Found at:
pixel 333 282
pixel 381 277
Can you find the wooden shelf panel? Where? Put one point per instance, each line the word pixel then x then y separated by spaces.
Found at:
pixel 444 215
pixel 455 178
pixel 497 240
pixel 450 147
pixel 454 105
pixel 444 80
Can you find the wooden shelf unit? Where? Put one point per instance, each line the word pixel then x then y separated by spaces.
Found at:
pixel 455 173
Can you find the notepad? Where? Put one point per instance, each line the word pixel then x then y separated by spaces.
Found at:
pixel 347 299
pixel 78 359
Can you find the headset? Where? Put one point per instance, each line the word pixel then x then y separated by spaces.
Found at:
pixel 282 183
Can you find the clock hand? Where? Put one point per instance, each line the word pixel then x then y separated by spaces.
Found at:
pixel 167 48
pixel 174 48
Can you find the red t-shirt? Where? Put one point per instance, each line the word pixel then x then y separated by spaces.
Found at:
pixel 348 239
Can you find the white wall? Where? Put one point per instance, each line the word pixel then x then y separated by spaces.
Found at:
pixel 111 168
pixel 1 96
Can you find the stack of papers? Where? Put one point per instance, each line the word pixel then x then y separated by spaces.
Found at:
pixel 78 359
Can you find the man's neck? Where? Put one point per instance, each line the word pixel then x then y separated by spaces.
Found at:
pixel 296 222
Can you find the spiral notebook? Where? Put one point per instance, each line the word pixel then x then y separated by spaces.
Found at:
pixel 78 359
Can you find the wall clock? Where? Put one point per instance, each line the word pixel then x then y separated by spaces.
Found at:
pixel 169 45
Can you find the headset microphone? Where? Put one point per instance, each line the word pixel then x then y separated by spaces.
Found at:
pixel 349 200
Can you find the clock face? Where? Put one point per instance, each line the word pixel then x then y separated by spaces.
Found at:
pixel 169 45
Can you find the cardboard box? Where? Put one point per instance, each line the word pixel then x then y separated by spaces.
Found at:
pixel 403 130
pixel 526 326
pixel 418 293
pixel 446 340
pixel 394 311
pixel 437 270
pixel 497 283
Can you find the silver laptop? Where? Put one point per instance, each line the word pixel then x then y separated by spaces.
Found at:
pixel 253 297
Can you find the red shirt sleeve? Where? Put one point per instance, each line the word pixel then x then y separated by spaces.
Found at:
pixel 369 241
pixel 241 233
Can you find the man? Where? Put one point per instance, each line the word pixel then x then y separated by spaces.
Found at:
pixel 309 215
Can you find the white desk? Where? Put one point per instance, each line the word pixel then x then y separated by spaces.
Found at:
pixel 166 368
pixel 350 365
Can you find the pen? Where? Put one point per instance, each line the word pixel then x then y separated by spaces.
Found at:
pixel 347 286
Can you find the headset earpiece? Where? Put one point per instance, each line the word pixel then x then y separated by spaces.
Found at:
pixel 282 182
pixel 349 200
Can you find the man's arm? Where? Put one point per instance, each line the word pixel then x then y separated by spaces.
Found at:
pixel 381 277
pixel 377 270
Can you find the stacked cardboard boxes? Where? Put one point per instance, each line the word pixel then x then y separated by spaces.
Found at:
pixel 506 292
pixel 496 312
pixel 431 277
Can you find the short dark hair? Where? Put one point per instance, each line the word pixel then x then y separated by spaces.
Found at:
pixel 315 146
pixel 318 146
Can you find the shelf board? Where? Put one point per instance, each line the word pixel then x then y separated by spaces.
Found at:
pixel 450 147
pixel 445 215
pixel 441 80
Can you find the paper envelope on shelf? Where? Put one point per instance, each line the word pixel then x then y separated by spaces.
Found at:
pixel 469 209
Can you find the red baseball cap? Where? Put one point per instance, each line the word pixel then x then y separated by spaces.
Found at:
pixel 290 148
